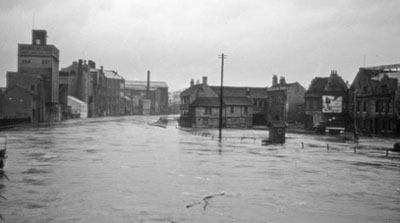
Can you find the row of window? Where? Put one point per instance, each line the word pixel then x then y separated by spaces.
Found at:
pixel 381 106
pixel 208 110
pixel 376 125
pixel 29 61
pixel 259 103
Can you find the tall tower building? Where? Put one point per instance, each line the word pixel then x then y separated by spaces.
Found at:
pixel 39 58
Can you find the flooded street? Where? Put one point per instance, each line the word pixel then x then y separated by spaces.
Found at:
pixel 123 170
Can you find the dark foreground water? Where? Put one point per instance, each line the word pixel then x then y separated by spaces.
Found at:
pixel 123 170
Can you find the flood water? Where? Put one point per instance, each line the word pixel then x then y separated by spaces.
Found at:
pixel 123 170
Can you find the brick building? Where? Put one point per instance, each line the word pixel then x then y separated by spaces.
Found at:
pixel 375 100
pixel 40 59
pixel 115 97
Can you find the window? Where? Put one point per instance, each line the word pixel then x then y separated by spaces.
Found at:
pixel 377 104
pixel 26 61
pixel 32 87
pixel 245 110
pixel 207 110
pixel 232 109
pixel 315 104
pixel 364 106
pixel 383 106
pixel 45 61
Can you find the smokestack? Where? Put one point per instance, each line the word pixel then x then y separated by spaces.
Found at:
pixel 191 82
pixel 148 84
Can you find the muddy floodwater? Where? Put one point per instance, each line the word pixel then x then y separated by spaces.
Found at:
pixel 124 170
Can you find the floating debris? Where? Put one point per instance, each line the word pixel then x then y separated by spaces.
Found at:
pixel 205 200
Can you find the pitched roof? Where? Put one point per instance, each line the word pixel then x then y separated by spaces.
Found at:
pixel 206 101
pixel 139 85
pixel 17 86
pixel 241 101
pixel 112 74
pixel 215 101
pixel 254 92
pixel 189 91
pixel 317 85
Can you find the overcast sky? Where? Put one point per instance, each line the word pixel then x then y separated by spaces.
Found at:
pixel 181 39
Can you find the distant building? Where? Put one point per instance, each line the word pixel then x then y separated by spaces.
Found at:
pixel 327 102
pixel 40 59
pixel 20 103
pixel 115 97
pixel 99 91
pixel 147 100
pixel 257 97
pixel 79 82
pixel 200 105
pixel 375 99
pixel 21 84
pixel 294 96
pixel 174 102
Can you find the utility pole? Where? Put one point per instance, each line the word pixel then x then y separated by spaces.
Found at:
pixel 221 95
pixel 355 116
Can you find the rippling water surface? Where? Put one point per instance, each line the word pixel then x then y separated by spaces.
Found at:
pixel 123 170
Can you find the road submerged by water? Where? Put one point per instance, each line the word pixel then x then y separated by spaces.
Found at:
pixel 123 170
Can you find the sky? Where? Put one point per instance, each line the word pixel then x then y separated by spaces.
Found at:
pixel 178 40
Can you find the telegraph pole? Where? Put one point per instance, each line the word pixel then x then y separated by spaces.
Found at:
pixel 221 95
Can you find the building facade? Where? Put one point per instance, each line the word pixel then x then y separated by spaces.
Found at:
pixel 115 96
pixel 200 106
pixel 375 100
pixel 294 97
pixel 39 58
pixel 156 96
pixel 326 103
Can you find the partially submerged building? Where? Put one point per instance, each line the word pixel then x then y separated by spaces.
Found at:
pixel 149 98
pixel 37 75
pixel 326 103
pixel 375 100
pixel 200 106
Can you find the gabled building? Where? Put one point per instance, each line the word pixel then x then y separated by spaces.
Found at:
pixel 236 112
pixel 190 95
pixel 326 102
pixel 375 100
pixel 257 97
pixel 200 106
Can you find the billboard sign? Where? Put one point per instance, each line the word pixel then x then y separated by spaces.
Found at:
pixel 331 104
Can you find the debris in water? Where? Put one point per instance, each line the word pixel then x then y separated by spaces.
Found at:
pixel 205 200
